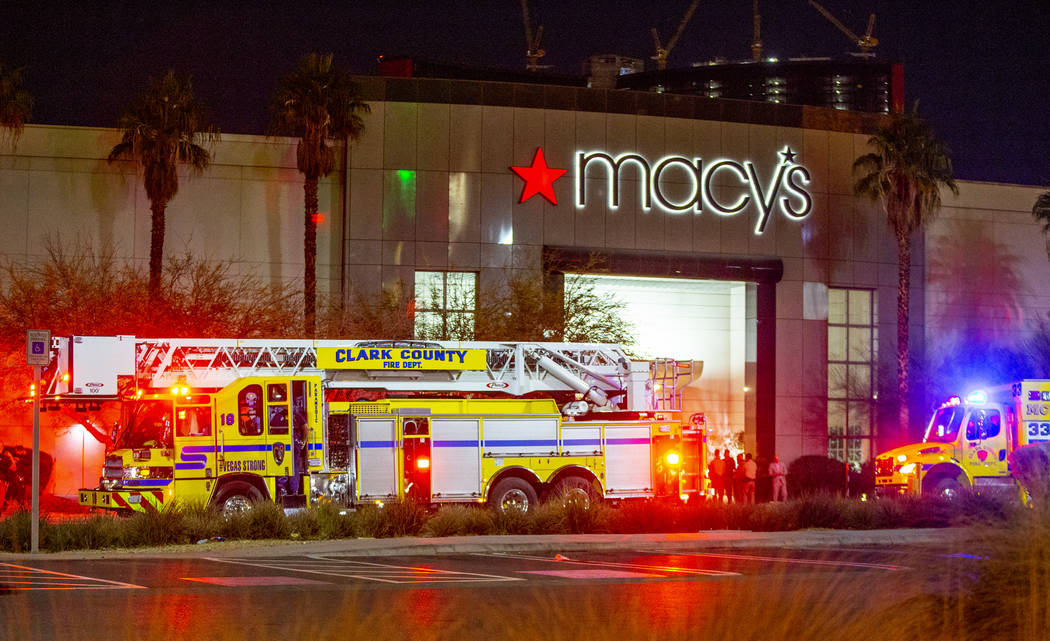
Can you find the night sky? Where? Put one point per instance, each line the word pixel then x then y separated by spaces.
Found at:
pixel 981 70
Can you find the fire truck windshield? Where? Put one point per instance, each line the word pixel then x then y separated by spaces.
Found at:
pixel 944 426
pixel 144 424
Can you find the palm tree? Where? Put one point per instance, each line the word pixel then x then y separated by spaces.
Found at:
pixel 16 105
pixel 316 103
pixel 1041 212
pixel 904 175
pixel 163 126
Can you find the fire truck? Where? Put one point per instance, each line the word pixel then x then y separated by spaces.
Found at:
pixel 231 422
pixel 968 442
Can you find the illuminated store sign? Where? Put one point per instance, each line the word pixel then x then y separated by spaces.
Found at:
pixel 784 190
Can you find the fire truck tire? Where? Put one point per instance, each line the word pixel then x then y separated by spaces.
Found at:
pixel 513 493
pixel 948 488
pixel 236 498
pixel 575 490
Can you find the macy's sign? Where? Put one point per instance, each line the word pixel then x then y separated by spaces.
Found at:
pixel 783 190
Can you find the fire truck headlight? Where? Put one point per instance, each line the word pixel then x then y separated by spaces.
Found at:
pixel 901 458
pixel 132 472
pixel 672 458
pixel 907 469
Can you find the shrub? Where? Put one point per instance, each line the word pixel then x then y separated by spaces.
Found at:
pixel 460 520
pixel 401 518
pixel 816 475
pixel 155 527
pixel 93 533
pixel 16 532
pixel 1031 468
pixel 266 520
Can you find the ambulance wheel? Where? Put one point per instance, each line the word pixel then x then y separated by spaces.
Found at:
pixel 237 498
pixel 575 490
pixel 513 493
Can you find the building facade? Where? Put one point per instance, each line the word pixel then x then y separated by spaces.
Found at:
pixel 727 229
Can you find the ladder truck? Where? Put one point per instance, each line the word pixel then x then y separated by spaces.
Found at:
pixel 230 422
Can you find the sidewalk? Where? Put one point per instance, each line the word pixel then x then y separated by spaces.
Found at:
pixel 537 543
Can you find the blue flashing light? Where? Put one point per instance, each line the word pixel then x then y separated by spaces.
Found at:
pixel 977 397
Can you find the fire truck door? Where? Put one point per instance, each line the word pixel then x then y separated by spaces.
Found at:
pixel 241 445
pixel 194 447
pixel 375 447
pixel 280 439
pixel 986 443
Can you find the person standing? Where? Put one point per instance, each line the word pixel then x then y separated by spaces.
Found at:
pixel 749 475
pixel 776 473
pixel 738 479
pixel 715 469
pixel 728 475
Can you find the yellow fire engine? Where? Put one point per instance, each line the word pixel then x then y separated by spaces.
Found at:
pixel 231 422
pixel 968 442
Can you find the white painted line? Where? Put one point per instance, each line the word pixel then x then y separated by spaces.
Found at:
pixel 50 580
pixel 612 564
pixel 366 571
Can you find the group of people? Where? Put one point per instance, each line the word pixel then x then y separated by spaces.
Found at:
pixel 734 481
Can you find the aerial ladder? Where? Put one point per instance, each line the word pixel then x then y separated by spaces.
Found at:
pixel 99 368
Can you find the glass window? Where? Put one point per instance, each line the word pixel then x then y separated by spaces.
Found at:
pixel 982 424
pixel 193 421
pixel 944 426
pixel 445 305
pixel 836 343
pixel 250 410
pixel 277 393
pixel 837 306
pixel 277 408
pixel 852 350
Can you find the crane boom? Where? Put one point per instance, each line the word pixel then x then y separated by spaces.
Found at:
pixel 663 52
pixel 866 43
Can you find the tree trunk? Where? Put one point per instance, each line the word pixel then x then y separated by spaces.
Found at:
pixel 156 248
pixel 310 258
pixel 903 295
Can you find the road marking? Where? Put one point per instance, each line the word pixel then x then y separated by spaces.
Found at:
pixel 612 564
pixel 780 559
pixel 239 581
pixel 594 574
pixel 21 577
pixel 366 571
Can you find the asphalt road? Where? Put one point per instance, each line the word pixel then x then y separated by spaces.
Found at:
pixel 643 593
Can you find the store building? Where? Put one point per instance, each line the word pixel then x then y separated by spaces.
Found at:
pixel 728 228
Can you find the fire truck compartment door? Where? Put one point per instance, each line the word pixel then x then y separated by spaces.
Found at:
pixel 520 436
pixel 628 459
pixel 376 448
pixel 456 460
pixel 581 441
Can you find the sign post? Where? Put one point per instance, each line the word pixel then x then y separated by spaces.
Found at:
pixel 38 353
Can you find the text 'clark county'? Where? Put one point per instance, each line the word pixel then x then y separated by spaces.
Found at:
pixel 374 354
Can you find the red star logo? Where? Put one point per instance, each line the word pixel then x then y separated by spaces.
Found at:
pixel 539 178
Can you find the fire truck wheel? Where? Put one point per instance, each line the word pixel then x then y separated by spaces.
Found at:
pixel 574 490
pixel 948 489
pixel 513 493
pixel 237 498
